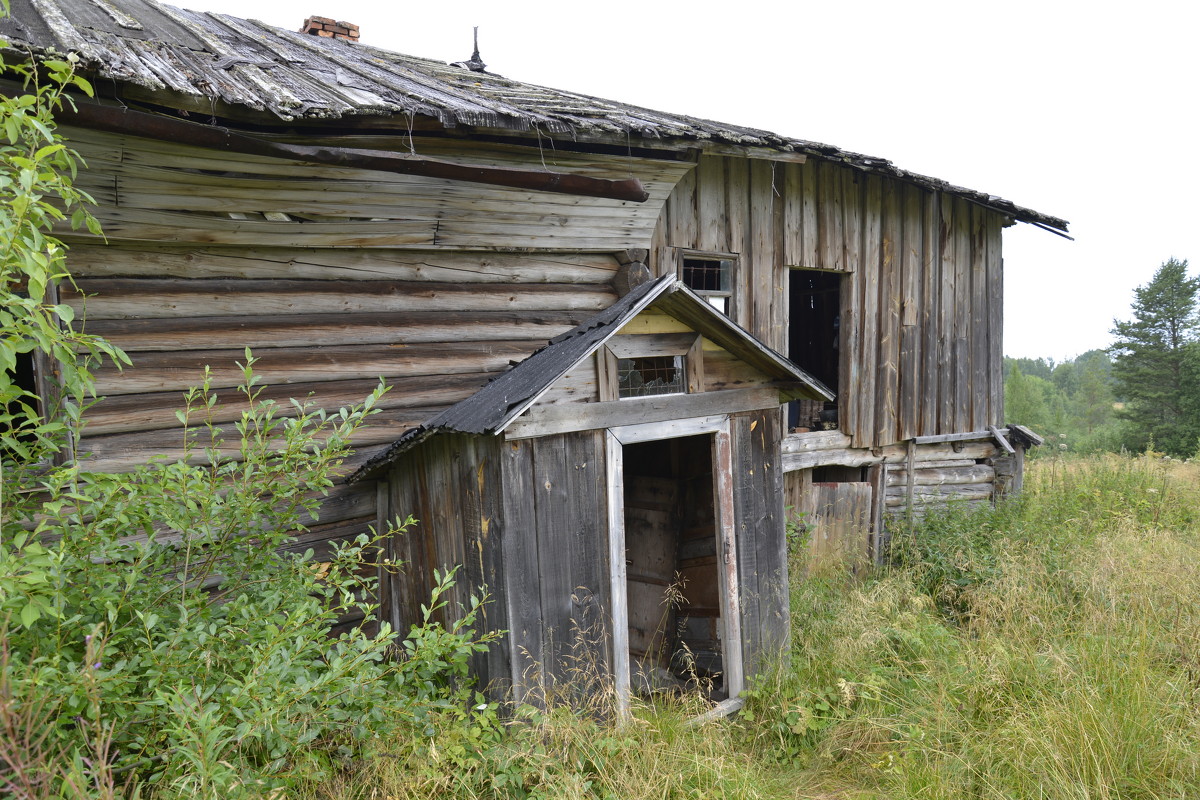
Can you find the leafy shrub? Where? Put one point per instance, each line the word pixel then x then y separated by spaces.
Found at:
pixel 183 639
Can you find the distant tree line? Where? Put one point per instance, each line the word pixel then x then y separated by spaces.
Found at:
pixel 1141 393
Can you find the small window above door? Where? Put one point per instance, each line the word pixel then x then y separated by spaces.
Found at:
pixel 650 375
pixel 709 275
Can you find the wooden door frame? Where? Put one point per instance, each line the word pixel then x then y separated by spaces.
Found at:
pixel 727 576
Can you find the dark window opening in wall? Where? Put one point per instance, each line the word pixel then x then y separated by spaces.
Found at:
pixel 711 277
pixel 651 375
pixel 24 379
pixel 839 474
pixel 814 341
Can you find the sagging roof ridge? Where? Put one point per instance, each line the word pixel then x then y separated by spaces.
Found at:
pixel 293 75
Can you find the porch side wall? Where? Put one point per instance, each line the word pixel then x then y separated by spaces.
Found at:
pixel 554 545
pixel 451 484
pixel 761 540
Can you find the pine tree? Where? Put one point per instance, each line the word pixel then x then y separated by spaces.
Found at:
pixel 1151 366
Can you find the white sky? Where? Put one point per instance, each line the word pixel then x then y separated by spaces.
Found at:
pixel 1082 110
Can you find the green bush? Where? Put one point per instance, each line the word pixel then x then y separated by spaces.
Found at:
pixel 182 647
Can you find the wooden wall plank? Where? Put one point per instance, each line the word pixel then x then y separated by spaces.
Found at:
pixel 712 219
pixel 946 315
pixel 737 181
pixel 931 292
pixel 887 399
pixel 144 298
pixel 853 194
pixel 167 371
pixel 911 267
pixel 759 264
pixel 810 256
pixel 995 317
pixel 519 546
pixel 867 283
pixel 208 333
pixel 793 215
pixel 980 388
pixel 156 411
pixel 962 315
pixel 829 217
pixel 353 264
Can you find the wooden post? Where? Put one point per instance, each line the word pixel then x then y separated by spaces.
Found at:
pixel 910 466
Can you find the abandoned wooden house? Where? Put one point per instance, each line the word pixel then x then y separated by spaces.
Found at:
pixel 748 324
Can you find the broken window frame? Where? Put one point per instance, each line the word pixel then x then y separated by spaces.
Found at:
pixel 687 347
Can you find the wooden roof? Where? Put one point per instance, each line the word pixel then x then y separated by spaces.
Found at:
pixel 510 394
pixel 227 63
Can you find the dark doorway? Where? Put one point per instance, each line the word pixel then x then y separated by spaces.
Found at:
pixel 814 341
pixel 672 579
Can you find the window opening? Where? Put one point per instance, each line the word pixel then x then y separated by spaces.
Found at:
pixel 650 375
pixel 814 341
pixel 711 278
pixel 25 383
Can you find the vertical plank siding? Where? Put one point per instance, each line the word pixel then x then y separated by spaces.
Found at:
pixel 921 304
pixel 758 494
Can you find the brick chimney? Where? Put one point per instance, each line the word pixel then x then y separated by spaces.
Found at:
pixel 324 26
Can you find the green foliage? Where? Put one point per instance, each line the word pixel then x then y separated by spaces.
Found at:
pixel 1071 403
pixel 36 192
pixel 183 636
pixel 1155 363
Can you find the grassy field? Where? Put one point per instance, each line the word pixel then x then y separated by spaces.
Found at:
pixel 1046 649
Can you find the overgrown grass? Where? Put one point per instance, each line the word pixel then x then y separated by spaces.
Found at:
pixel 1049 648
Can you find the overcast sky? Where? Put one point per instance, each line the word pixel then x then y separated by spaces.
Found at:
pixel 1085 111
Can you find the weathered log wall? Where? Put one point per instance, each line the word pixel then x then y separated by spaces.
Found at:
pixel 921 301
pixel 335 278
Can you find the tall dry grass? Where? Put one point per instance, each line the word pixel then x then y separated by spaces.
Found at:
pixel 1049 649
